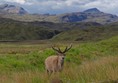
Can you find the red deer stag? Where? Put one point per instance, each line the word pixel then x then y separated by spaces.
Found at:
pixel 55 63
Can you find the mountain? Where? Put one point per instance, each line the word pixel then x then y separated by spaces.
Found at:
pixel 89 15
pixel 11 9
pixel 92 10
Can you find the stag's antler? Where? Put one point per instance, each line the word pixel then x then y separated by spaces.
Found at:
pixel 67 48
pixel 58 49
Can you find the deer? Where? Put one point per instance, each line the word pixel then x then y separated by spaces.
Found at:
pixel 55 63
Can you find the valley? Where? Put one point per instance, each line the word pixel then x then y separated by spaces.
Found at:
pixel 26 40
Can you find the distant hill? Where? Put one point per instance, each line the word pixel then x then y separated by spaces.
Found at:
pixel 89 15
pixel 12 9
pixel 11 30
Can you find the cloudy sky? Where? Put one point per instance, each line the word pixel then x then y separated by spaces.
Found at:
pixel 64 6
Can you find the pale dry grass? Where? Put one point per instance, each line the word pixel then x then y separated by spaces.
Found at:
pixel 25 77
pixel 102 69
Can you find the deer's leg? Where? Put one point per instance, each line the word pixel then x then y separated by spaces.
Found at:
pixel 47 71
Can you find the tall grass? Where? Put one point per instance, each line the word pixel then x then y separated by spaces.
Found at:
pixel 84 63
pixel 101 70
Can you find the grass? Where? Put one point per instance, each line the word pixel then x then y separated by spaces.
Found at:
pixel 85 63
pixel 103 69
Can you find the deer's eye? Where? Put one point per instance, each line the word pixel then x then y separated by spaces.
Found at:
pixel 62 57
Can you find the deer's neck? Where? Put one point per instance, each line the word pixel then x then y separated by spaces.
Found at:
pixel 60 63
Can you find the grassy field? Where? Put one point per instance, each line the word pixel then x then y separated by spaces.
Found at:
pixel 94 62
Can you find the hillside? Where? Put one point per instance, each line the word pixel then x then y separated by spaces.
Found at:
pixel 89 15
pixel 89 31
pixel 16 30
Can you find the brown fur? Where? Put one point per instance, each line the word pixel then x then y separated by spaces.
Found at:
pixel 55 63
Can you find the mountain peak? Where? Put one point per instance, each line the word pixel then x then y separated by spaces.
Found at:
pixel 2 6
pixel 6 8
pixel 92 10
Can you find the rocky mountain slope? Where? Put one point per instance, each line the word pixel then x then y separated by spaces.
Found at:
pixel 90 15
pixel 11 9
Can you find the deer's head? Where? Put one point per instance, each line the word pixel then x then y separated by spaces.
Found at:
pixel 61 54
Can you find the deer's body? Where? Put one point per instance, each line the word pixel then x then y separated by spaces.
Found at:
pixel 55 63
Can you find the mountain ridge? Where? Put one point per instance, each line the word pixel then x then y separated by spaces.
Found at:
pixel 89 15
pixel 92 10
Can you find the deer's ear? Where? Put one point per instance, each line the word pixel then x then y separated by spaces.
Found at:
pixel 57 53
